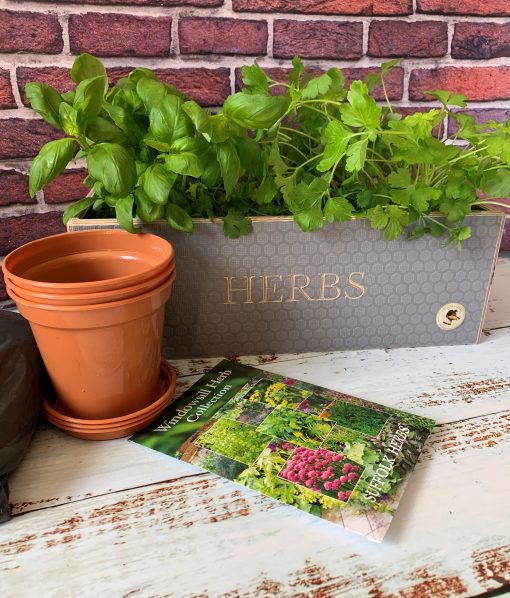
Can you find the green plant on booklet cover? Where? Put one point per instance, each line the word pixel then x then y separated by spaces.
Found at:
pixel 319 150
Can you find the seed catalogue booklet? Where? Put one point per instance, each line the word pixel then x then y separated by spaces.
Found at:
pixel 330 454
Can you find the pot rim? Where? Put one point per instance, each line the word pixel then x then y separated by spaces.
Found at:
pixel 92 307
pixel 108 284
pixel 76 299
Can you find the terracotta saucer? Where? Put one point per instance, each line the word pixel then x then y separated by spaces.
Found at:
pixel 108 429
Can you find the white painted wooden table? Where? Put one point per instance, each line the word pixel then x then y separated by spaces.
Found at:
pixel 115 519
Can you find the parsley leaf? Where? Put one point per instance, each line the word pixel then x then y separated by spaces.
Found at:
pixel 338 209
pixel 236 224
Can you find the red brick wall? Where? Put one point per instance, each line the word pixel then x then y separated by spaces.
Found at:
pixel 199 45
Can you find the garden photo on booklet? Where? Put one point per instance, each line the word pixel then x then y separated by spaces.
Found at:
pixel 330 454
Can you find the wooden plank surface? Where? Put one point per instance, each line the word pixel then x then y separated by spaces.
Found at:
pixel 204 536
pixel 444 383
pixel 116 519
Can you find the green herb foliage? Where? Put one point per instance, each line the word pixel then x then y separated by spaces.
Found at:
pixel 295 426
pixel 235 440
pixel 219 464
pixel 355 417
pixel 319 151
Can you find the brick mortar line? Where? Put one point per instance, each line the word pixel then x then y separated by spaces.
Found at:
pixel 365 38
pixel 270 38
pixel 405 84
pixel 64 23
pixel 226 12
pixel 28 209
pixel 39 198
pixel 450 34
pixel 13 76
pixel 213 61
pixel 175 49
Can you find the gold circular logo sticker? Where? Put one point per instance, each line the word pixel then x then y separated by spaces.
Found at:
pixel 450 316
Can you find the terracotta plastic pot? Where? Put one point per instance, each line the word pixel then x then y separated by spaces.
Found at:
pixel 104 359
pixel 91 298
pixel 118 427
pixel 87 261
pixel 165 391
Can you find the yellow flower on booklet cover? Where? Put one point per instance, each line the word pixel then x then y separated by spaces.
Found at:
pixel 255 396
pixel 272 394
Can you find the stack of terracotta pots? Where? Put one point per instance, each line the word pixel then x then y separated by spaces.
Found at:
pixel 95 302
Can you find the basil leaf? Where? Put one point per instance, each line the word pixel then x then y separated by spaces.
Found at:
pixel 151 92
pixel 199 118
pixel 167 121
pixel 219 128
pixel 70 119
pixel 157 182
pixel 110 200
pixel 140 72
pixel 101 130
pixel 230 165
pixel 68 96
pixel 114 167
pixel 186 144
pixel 185 164
pixel 255 111
pixel 88 67
pixel 49 163
pixel 178 219
pixel 78 208
pixel 211 174
pixel 155 144
pixel 89 97
pixel 128 99
pixel 147 210
pixel 45 101
pixel 124 213
pixel 124 120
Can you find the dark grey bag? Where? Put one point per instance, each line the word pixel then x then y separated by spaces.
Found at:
pixel 22 379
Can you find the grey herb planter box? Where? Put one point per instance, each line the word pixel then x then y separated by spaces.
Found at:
pixel 280 290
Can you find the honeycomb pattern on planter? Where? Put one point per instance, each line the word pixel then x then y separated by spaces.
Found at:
pixel 403 285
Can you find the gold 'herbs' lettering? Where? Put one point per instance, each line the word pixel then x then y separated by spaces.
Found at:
pixel 265 289
pixel 246 289
pixel 280 288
